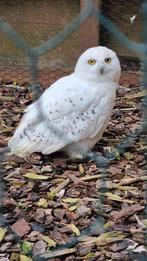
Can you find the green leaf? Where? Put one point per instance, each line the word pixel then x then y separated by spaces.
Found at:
pixel 26 247
pixel 34 176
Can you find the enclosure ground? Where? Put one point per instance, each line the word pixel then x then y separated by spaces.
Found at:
pixel 57 208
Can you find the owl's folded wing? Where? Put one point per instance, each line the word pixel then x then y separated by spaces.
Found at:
pixel 61 116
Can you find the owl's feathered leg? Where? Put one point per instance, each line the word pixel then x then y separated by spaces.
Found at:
pixel 76 151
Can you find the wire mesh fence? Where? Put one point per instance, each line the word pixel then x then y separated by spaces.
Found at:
pixel 110 33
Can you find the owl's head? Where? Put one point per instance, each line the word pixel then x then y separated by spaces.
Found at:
pixel 98 64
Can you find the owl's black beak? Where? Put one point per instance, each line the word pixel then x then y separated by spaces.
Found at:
pixel 102 70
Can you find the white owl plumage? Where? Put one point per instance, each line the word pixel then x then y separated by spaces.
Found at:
pixel 72 114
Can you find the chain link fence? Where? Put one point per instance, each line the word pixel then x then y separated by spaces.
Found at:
pixel 25 83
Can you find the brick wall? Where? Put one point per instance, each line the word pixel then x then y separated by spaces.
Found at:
pixel 36 21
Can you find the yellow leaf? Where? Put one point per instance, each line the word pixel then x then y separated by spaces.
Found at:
pixel 57 180
pixel 53 193
pixel 25 258
pixel 128 155
pixel 15 256
pixel 81 169
pixel 34 176
pixel 74 229
pixel 14 83
pixel 2 233
pixel 42 202
pixel 70 200
pixel 7 98
pixel 135 95
pixel 109 224
pixel 117 198
pixel 89 256
pixel 49 241
pixel 109 237
pixel 106 238
pixel 72 208
pixel 144 222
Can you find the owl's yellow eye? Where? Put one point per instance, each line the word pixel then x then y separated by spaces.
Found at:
pixel 91 61
pixel 108 60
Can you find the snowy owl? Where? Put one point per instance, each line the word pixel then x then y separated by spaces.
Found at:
pixel 72 114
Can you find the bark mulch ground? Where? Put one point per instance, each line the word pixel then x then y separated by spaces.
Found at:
pixel 56 208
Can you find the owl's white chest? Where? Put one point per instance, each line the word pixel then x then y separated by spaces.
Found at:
pixel 103 109
pixel 98 115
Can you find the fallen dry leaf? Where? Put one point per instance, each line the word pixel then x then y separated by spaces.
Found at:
pixel 74 229
pixel 35 176
pixel 42 202
pixel 49 241
pixel 25 258
pixel 2 233
pixel 118 198
pixel 76 190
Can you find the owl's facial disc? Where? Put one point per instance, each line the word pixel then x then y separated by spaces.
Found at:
pixel 98 64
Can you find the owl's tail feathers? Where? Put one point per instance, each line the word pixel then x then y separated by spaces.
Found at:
pixel 19 142
pixel 22 144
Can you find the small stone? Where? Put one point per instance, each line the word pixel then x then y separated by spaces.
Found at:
pixel 34 236
pixel 123 89
pixel 9 237
pixel 84 250
pixel 61 193
pixel 48 216
pixel 139 158
pixel 59 213
pixel 5 246
pixel 47 168
pixel 21 228
pixel 9 202
pixel 48 211
pixel 83 211
pixel 39 248
pixel 38 227
pixel 39 215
